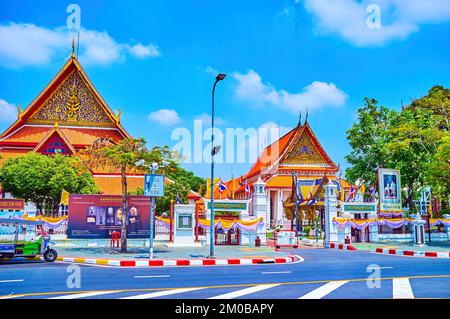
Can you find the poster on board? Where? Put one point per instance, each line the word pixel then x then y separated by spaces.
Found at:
pixel 389 188
pixel 96 216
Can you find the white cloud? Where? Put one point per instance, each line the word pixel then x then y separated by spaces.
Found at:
pixel 8 112
pixel 206 119
pixel 210 70
pixel 28 44
pixel 141 51
pixel 399 18
pixel 165 117
pixel 316 95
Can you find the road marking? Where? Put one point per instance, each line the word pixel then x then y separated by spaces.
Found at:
pixel 11 280
pixel 308 282
pixel 244 292
pixel 275 272
pixel 324 290
pixel 85 294
pixel 161 293
pixel 401 288
pixel 155 276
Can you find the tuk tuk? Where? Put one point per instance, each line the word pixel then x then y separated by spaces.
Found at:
pixel 25 238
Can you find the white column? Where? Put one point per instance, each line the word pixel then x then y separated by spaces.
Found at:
pixel 279 205
pixel 331 231
pixel 268 219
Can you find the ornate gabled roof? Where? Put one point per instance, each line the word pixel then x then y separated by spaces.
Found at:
pixel 71 100
pixel 298 150
pixel 58 132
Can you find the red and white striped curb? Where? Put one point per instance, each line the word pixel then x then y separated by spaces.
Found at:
pixel 178 262
pixel 412 253
pixel 342 246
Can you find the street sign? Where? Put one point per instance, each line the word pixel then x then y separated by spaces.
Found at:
pixel 154 185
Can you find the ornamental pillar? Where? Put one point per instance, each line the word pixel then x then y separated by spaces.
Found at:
pixel 331 231
pixel 418 225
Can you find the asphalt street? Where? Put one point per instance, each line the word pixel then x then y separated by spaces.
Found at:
pixel 322 274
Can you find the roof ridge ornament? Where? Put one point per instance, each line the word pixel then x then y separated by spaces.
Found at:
pixel 299 118
pixel 19 111
pixel 73 47
pixel 306 119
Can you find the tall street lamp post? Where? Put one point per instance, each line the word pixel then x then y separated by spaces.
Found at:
pixel 214 151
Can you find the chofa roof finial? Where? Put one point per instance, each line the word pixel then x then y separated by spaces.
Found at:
pixel 73 47
pixel 306 119
pixel 299 118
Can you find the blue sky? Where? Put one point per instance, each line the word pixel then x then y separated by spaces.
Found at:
pixel 281 57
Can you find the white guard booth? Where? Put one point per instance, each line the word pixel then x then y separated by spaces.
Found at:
pixel 183 232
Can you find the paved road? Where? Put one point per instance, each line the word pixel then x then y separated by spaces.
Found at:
pixel 323 274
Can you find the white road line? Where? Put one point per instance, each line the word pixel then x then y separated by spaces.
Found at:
pixel 11 280
pixel 85 294
pixel 324 290
pixel 244 292
pixel 155 276
pixel 162 293
pixel 275 272
pixel 401 288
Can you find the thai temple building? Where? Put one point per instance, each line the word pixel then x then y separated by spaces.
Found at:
pixel 268 185
pixel 67 116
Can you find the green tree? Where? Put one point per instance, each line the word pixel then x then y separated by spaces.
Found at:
pixel 41 179
pixel 172 190
pixel 368 138
pixel 178 173
pixel 412 141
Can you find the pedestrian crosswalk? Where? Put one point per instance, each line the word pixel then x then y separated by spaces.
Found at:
pixel 402 288
pixel 338 289
pixel 324 290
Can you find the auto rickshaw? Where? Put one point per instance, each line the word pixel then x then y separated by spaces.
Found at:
pixel 25 238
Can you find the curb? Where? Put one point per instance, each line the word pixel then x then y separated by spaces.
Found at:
pixel 412 253
pixel 177 262
pixel 342 246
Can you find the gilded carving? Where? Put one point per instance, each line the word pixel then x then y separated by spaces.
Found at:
pixel 72 102
pixel 304 152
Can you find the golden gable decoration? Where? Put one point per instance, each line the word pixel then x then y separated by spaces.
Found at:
pixel 74 104
pixel 304 152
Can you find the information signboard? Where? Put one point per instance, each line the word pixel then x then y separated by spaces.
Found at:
pixel 286 238
pixel 154 185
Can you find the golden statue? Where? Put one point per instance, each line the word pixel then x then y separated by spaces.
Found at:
pixel 73 104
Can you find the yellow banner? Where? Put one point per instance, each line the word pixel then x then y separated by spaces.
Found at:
pixel 64 198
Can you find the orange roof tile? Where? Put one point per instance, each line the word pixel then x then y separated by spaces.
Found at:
pixel 80 136
pixel 112 185
pixel 271 154
pixel 275 152
pixel 87 136
pixel 28 134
